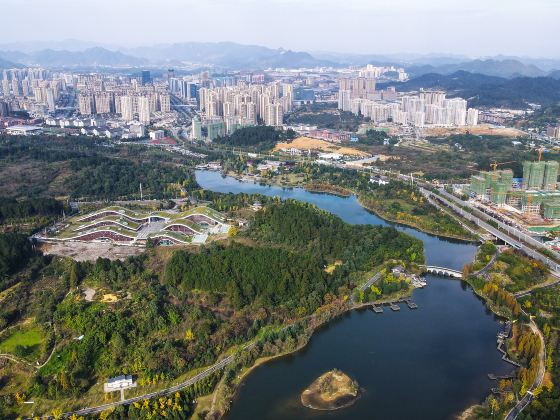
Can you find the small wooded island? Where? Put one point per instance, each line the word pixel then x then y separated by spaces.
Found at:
pixel 330 391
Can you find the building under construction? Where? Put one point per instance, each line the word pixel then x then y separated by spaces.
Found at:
pixel 493 186
pixel 538 195
pixel 540 175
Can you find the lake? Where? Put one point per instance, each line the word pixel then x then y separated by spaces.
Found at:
pixel 428 363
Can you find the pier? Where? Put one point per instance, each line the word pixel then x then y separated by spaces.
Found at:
pixel 494 377
pixel 377 309
pixel 410 304
pixel 394 306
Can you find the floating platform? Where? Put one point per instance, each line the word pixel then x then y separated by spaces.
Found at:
pixel 412 305
pixel 394 306
pixel 377 309
pixel 494 377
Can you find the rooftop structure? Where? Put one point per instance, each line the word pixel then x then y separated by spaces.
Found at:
pixel 24 130
pixel 126 226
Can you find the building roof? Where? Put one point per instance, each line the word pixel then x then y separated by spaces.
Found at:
pixel 24 127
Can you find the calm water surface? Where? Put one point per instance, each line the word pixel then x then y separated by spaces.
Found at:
pixel 430 363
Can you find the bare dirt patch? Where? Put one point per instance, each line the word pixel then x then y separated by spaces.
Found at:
pixel 481 130
pixel 307 143
pixel 82 251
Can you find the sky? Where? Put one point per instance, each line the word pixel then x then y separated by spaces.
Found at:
pixel 465 27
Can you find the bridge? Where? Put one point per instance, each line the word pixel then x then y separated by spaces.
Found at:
pixel 443 271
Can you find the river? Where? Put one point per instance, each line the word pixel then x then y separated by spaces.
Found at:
pixel 430 363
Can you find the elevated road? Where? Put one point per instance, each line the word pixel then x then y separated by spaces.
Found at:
pixel 510 236
pixel 504 227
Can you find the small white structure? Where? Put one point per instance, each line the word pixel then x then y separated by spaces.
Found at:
pixel 157 135
pixel 119 382
pixel 378 181
pixel 24 130
pixel 330 156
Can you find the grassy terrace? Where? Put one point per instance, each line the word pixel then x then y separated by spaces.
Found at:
pixel 139 215
pixel 125 222
pixel 68 233
pixel 174 235
pixel 122 210
pixel 185 222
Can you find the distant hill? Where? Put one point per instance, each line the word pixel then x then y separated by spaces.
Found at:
pixel 228 55
pixel 95 56
pixel 483 90
pixel 501 68
pixel 555 74
pixel 5 64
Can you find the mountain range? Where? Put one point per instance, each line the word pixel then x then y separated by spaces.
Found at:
pixel 95 56
pixel 484 90
pixel 233 56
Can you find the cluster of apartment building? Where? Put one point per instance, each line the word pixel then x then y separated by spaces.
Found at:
pixel 131 98
pixel 375 72
pixel 359 96
pixel 33 90
pixel 224 109
pixel 553 132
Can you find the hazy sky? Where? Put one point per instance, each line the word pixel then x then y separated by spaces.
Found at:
pixel 471 27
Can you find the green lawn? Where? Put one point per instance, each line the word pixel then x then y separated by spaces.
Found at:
pixel 24 342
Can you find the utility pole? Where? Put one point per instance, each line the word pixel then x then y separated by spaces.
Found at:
pixel 140 191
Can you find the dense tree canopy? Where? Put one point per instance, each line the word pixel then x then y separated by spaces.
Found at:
pixel 259 136
pixel 296 242
pixel 13 209
pixel 15 250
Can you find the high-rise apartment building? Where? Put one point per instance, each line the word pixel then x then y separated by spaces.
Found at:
pixel 144 110
pixel 86 104
pixel 127 111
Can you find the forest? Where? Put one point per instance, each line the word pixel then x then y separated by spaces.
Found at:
pixel 107 178
pixel 293 274
pixel 258 137
pixel 48 166
pixel 14 209
pixel 325 115
pixel 15 251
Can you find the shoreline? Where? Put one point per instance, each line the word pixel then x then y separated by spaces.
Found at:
pixel 383 216
pixel 464 415
pixel 414 226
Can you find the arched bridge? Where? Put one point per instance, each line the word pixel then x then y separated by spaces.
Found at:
pixel 443 271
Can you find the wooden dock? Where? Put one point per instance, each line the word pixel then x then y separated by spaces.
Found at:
pixel 377 309
pixel 494 377
pixel 410 304
pixel 394 306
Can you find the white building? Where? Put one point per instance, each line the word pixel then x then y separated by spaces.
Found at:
pixel 144 110
pixel 24 130
pixel 119 382
pixel 157 135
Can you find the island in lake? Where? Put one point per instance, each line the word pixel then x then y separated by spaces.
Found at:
pixel 330 391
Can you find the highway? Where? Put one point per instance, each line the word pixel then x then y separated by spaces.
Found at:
pixel 528 397
pixel 511 236
pixel 511 230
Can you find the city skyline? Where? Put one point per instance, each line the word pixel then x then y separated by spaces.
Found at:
pixel 400 26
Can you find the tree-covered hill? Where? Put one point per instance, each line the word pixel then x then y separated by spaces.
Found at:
pixel 482 90
pixel 258 137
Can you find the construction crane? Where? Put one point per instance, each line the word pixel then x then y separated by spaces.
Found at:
pixel 494 165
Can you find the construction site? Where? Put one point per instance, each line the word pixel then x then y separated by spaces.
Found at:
pixel 532 202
